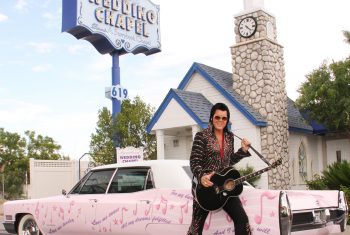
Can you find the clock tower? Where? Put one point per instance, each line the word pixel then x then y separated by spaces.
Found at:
pixel 259 77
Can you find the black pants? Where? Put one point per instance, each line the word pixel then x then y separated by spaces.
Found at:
pixel 233 208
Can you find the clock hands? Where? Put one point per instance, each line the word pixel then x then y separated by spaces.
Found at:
pixel 247 27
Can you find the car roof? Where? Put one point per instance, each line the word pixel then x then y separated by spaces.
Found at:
pixel 166 173
pixel 150 163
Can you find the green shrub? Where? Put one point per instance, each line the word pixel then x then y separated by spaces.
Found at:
pixel 337 174
pixel 346 190
pixel 317 183
pixel 248 170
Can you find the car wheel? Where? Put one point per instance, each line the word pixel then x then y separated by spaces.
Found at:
pixel 28 226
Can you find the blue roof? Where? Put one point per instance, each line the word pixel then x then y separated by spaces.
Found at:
pixel 198 106
pixel 195 104
pixel 223 82
pixel 296 121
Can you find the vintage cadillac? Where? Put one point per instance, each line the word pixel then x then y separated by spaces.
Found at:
pixel 154 197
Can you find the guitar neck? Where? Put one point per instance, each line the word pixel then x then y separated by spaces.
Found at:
pixel 252 175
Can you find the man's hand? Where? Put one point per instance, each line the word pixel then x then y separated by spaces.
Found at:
pixel 205 180
pixel 245 145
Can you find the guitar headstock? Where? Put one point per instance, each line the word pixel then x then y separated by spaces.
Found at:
pixel 276 163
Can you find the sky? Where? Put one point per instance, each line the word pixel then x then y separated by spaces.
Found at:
pixel 54 84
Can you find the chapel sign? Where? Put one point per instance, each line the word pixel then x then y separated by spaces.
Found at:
pixel 114 25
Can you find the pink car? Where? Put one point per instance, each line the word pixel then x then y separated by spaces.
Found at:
pixel 154 197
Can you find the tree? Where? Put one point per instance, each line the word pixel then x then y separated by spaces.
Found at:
pixel 326 95
pixel 15 152
pixel 14 162
pixel 102 149
pixel 130 124
pixel 42 147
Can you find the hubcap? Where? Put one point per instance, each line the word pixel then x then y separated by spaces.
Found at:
pixel 30 228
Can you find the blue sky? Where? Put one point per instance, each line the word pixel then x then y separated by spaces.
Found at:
pixel 53 84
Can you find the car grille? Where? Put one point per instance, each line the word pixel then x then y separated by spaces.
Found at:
pixel 302 218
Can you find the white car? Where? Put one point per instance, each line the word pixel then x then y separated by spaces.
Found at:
pixel 154 197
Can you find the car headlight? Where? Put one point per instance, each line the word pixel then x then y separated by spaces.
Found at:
pixel 285 214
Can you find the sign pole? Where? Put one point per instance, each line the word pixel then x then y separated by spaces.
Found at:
pixel 116 103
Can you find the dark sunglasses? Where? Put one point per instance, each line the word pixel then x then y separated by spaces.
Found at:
pixel 219 118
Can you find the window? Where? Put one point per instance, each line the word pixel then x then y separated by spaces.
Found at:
pixel 338 153
pixel 302 162
pixel 96 182
pixel 175 143
pixel 128 180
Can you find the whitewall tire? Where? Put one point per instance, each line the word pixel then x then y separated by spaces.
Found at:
pixel 28 226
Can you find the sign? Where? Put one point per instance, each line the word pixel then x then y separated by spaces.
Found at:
pixel 117 92
pixel 129 154
pixel 114 25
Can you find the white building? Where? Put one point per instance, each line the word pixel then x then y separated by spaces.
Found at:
pixel 259 107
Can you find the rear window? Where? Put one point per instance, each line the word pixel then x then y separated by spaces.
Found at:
pixel 128 180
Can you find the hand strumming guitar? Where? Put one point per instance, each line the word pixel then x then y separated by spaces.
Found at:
pixel 205 180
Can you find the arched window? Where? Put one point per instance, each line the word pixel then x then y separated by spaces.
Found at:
pixel 302 162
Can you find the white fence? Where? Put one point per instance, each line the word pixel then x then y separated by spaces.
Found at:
pixel 49 177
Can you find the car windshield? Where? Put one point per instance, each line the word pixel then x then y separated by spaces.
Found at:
pixel 95 182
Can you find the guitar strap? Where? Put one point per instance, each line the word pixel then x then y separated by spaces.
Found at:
pixel 255 151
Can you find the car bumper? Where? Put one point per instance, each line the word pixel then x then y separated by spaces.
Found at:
pixel 9 227
pixel 318 220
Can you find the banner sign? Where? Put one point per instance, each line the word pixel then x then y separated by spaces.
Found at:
pixel 129 154
pixel 114 25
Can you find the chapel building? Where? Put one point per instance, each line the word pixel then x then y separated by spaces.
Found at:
pixel 260 108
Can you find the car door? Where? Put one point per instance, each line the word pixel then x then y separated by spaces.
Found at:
pixel 128 205
pixel 83 202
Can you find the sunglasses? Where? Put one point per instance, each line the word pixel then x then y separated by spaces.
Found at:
pixel 219 118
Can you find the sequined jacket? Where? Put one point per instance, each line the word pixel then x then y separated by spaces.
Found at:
pixel 205 154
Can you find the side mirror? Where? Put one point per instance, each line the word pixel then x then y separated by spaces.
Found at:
pixel 64 192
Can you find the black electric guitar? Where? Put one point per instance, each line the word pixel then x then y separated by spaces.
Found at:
pixel 227 183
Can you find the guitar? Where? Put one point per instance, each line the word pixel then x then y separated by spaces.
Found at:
pixel 227 183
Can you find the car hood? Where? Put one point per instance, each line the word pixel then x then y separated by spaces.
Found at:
pixel 312 199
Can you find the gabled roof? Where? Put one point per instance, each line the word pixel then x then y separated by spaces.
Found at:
pixel 223 82
pixel 197 106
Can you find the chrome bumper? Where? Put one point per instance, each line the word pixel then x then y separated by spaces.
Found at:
pixel 318 219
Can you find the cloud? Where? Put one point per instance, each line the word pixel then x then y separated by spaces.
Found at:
pixel 16 111
pixel 52 20
pixel 3 17
pixel 70 130
pixel 43 47
pixel 20 5
pixel 41 68
pixel 75 49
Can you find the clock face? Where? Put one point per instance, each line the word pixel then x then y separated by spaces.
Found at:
pixel 247 27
